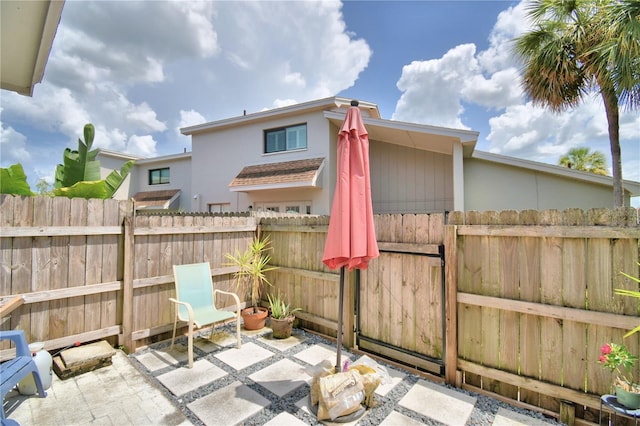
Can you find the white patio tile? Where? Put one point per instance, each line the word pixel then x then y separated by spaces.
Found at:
pixel 320 352
pixel 398 419
pixel 230 405
pixel 285 419
pixel 161 358
pixel 281 377
pixel 439 403
pixel 249 354
pixel 183 380
pixel 283 344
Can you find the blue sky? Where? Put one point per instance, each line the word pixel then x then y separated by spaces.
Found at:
pixel 140 70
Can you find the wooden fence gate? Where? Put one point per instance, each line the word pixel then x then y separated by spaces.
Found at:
pixel 400 296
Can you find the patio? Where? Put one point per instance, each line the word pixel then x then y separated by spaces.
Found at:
pixel 264 383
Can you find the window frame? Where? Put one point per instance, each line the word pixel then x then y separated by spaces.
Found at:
pixel 160 177
pixel 285 130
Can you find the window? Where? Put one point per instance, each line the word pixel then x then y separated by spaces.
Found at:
pixel 158 176
pixel 219 207
pixel 285 138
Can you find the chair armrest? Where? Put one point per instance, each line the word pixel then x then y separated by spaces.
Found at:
pixel 18 339
pixel 235 296
pixel 186 305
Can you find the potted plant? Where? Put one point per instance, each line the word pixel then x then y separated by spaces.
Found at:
pixel 617 358
pixel 281 316
pixel 253 264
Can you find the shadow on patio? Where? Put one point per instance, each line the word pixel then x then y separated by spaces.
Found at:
pixel 263 383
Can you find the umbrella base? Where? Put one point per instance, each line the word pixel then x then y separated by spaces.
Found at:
pixel 341 419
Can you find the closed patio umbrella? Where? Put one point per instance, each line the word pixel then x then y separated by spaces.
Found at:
pixel 351 240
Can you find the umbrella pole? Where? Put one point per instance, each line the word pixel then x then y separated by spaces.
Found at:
pixel 340 306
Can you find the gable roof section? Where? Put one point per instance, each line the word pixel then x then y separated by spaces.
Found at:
pixel 632 187
pixel 413 135
pixel 156 199
pixel 288 174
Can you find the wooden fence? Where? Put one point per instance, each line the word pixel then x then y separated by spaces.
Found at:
pixel 535 301
pixel 527 303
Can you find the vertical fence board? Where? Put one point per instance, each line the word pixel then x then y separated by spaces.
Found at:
pixel 93 267
pixel 59 268
pixel 77 262
pixel 41 267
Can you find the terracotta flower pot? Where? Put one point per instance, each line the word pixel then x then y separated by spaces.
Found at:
pixel 627 398
pixel 282 327
pixel 254 321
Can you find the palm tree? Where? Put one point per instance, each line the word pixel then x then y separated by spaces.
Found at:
pixel 582 159
pixel 578 46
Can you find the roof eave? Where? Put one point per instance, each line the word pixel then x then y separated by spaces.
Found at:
pixel 269 114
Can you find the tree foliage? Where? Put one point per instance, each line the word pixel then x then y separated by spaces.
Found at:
pixel 14 181
pixel 79 175
pixel 578 47
pixel 582 159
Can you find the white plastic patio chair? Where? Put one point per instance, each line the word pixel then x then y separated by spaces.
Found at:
pixel 195 302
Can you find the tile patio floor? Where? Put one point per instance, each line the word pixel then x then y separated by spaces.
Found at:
pixel 266 382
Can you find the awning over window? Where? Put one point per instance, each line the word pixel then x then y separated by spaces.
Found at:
pixel 288 174
pixel 156 199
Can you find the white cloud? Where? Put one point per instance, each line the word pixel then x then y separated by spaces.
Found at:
pixel 13 145
pixel 143 146
pixel 436 91
pixel 431 89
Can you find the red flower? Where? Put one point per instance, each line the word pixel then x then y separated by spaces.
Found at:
pixel 605 349
pixel 603 359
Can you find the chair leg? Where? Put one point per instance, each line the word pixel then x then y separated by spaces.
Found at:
pixel 190 350
pixel 175 322
pixel 238 330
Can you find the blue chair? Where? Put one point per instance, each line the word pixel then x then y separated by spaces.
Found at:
pixel 16 369
pixel 196 301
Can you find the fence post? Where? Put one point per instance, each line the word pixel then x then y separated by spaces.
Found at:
pixel 125 339
pixel 451 303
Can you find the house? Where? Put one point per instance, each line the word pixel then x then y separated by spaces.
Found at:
pixel 284 160
pixel 27 30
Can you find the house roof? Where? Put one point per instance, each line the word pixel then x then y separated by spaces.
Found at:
pixel 27 30
pixel 631 186
pixel 421 136
pixel 287 174
pixel 333 103
pixel 156 199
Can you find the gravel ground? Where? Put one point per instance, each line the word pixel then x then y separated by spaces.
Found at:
pixel 483 413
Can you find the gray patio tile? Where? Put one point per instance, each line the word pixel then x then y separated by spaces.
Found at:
pixel 161 358
pixel 281 377
pixel 320 352
pixel 283 344
pixel 398 419
pixel 183 380
pixel 228 406
pixel 249 354
pixel 506 417
pixel 285 419
pixel 439 403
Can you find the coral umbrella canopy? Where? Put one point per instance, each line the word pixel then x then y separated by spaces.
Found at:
pixel 351 240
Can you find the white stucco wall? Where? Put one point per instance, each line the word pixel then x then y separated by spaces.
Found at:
pixel 494 186
pixel 179 177
pixel 218 157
